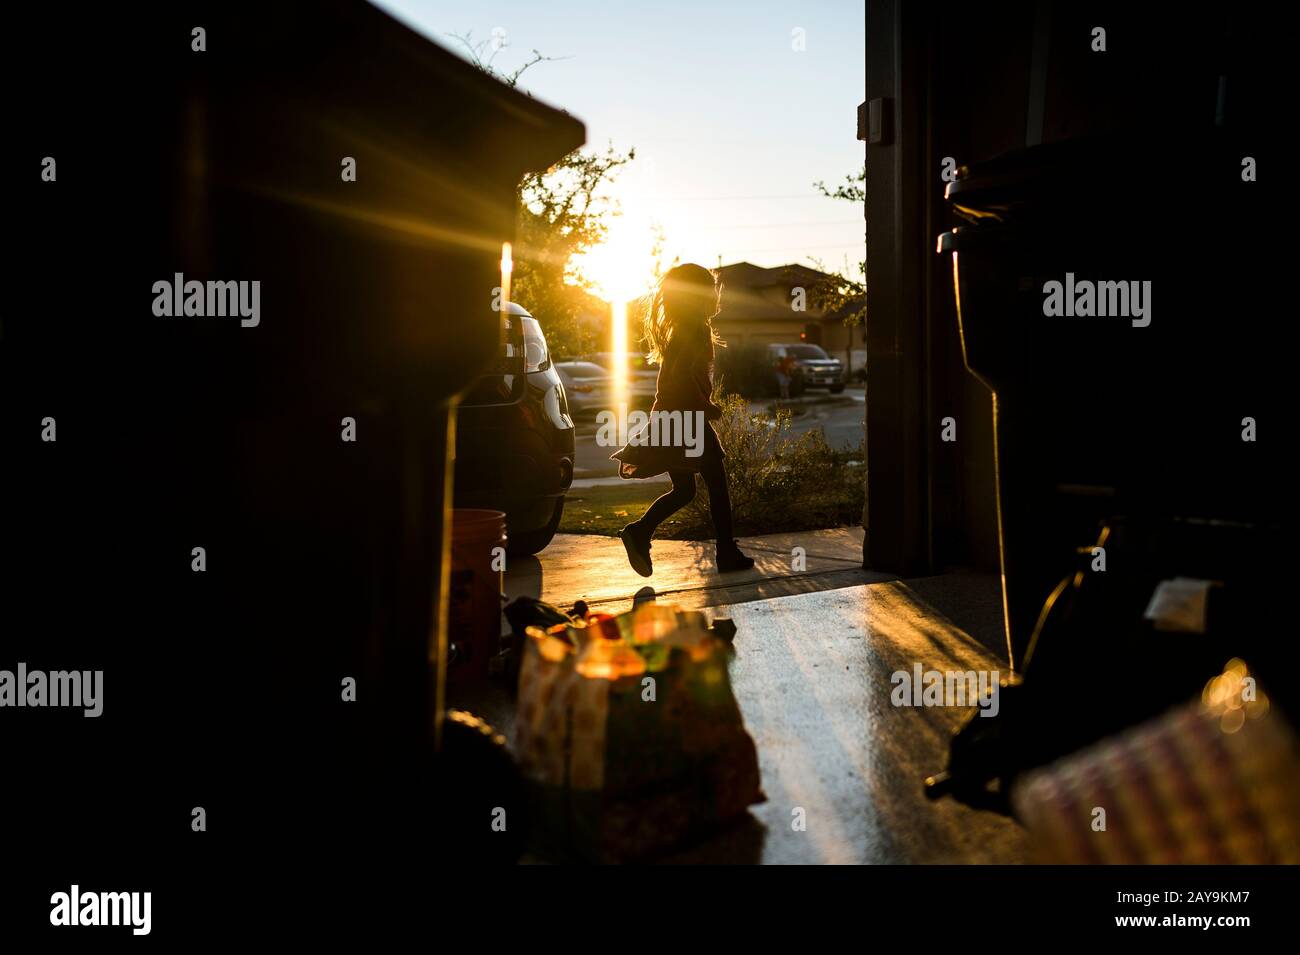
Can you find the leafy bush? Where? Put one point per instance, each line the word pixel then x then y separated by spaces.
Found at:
pixel 779 480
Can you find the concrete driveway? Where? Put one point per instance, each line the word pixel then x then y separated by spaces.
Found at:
pixel 595 569
pixel 815 651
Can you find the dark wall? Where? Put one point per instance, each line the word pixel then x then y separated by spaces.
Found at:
pixel 223 689
pixel 972 82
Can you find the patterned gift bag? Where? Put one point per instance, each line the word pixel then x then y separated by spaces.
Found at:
pixel 631 735
pixel 1210 782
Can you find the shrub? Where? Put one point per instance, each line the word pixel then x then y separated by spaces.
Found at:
pixel 779 480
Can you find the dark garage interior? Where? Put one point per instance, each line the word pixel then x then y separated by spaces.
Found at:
pixel 1081 497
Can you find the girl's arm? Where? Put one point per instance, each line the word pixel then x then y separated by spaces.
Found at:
pixel 702 369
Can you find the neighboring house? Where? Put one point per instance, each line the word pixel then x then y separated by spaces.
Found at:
pixel 759 308
pixel 848 342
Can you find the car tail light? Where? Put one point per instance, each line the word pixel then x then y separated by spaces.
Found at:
pixel 536 355
pixel 510 358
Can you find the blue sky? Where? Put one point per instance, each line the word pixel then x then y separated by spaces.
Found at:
pixel 730 124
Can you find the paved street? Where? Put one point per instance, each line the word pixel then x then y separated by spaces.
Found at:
pixel 839 416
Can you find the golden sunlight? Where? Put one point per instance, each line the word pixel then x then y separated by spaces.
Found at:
pixel 507 269
pixel 620 270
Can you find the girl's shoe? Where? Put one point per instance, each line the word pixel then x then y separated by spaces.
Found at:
pixel 729 557
pixel 638 549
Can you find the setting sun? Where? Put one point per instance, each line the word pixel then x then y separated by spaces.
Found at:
pixel 621 267
pixel 620 270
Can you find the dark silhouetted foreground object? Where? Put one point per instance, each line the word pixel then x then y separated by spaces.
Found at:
pixel 1210 782
pixel 1138 408
pixel 480 813
pixel 1097 665
pixel 308 453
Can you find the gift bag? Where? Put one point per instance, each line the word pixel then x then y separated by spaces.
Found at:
pixel 630 736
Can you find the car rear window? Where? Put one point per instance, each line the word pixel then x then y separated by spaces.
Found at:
pixel 635 362
pixel 584 369
pixel 806 351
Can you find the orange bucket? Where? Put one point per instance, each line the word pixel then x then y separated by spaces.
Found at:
pixel 474 610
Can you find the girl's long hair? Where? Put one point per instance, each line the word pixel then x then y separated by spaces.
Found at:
pixel 686 301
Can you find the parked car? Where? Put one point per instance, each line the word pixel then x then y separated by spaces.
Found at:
pixel 813 368
pixel 642 375
pixel 588 387
pixel 514 437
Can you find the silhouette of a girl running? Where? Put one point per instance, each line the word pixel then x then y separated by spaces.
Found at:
pixel 680 332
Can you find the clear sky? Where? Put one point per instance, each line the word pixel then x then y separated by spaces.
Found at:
pixel 731 125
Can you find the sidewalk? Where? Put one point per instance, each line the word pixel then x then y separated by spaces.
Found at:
pixel 615 479
pixel 815 652
pixel 595 569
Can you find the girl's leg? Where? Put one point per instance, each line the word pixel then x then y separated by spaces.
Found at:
pixel 636 536
pixel 664 506
pixel 715 480
pixel 728 555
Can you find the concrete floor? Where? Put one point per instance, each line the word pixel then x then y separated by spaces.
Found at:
pixel 812 674
pixel 815 652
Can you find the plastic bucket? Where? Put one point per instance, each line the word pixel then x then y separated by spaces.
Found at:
pixel 478 541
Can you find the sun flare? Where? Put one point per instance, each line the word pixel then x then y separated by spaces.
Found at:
pixel 621 267
pixel 620 270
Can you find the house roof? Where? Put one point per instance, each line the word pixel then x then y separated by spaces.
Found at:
pixel 748 275
pixel 744 283
pixel 538 134
pixel 359 72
